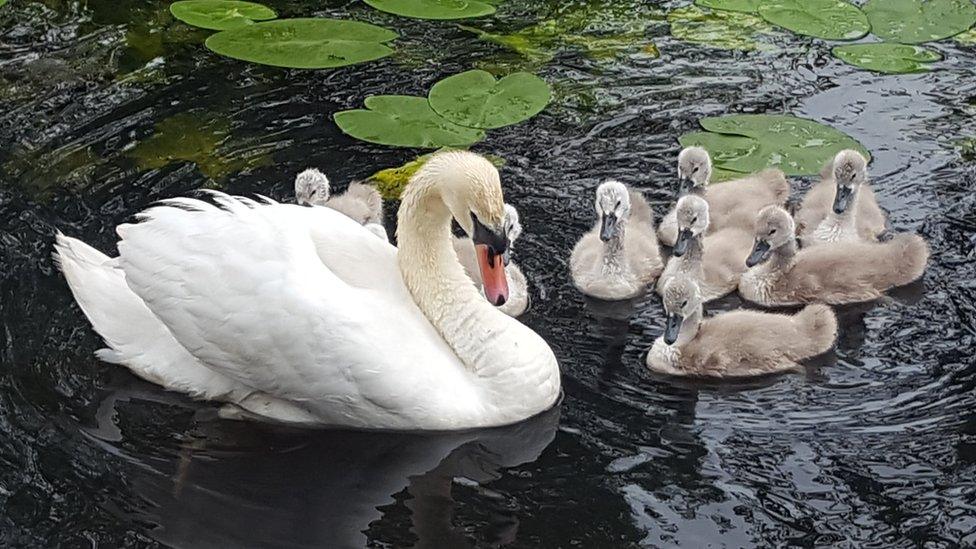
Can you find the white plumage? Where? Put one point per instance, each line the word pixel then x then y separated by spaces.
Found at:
pixel 302 315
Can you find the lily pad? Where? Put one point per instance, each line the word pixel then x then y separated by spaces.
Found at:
pixel 434 9
pixel 391 182
pixel 404 121
pixel 917 21
pixel 476 100
pixel 304 43
pixel 886 57
pixel 727 30
pixel 749 142
pixel 220 14
pixel 745 6
pixel 828 19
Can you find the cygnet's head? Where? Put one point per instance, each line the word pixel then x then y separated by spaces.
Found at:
pixel 513 229
pixel 311 188
pixel 681 300
pixel 774 229
pixel 612 207
pixel 471 189
pixel 692 216
pixel 850 172
pixel 694 165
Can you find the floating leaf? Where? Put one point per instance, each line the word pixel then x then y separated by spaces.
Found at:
pixel 434 9
pixel 727 30
pixel 304 43
pixel 917 21
pixel 829 19
pixel 404 121
pixel 476 100
pixel 2 2
pixel 220 14
pixel 886 57
pixel 750 142
pixel 745 6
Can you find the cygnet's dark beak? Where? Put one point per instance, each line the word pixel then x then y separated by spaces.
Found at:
pixel 760 253
pixel 608 226
pixel 681 244
pixel 672 327
pixel 491 247
pixel 842 198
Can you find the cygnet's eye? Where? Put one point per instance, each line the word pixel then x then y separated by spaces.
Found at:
pixel 618 204
pixel 694 220
pixel 772 232
pixel 684 304
pixel 695 170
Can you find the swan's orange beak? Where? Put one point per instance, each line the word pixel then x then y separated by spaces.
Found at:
pixel 493 274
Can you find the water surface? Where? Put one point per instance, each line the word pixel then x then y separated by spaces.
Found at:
pixel 874 444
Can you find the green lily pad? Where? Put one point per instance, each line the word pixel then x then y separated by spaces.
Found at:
pixel 727 30
pixel 404 121
pixel 886 57
pixel 220 14
pixel 2 2
pixel 917 21
pixel 391 182
pixel 304 43
pixel 476 100
pixel 745 6
pixel 434 9
pixel 828 19
pixel 749 142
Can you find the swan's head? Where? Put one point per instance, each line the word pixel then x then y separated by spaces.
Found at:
pixel 694 165
pixel 612 207
pixel 513 229
pixel 850 172
pixel 471 189
pixel 692 217
pixel 681 299
pixel 774 229
pixel 311 188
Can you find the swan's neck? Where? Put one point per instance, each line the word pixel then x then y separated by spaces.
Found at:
pixel 689 327
pixel 782 257
pixel 692 258
pixel 430 268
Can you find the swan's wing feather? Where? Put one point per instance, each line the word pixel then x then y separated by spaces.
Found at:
pixel 262 293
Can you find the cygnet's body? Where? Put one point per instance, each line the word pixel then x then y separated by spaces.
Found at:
pixel 362 203
pixel 732 203
pixel 735 344
pixel 715 261
pixel 844 272
pixel 619 257
pixel 842 206
pixel 518 285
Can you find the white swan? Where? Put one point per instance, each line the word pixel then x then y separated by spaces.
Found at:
pixel 300 315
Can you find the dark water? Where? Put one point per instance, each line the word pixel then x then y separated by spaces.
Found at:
pixel 874 445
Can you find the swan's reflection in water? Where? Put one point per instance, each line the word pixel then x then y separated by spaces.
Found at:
pixel 249 485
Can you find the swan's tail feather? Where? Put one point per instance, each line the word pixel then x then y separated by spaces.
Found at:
pixel 136 338
pixel 912 256
pixel 817 326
